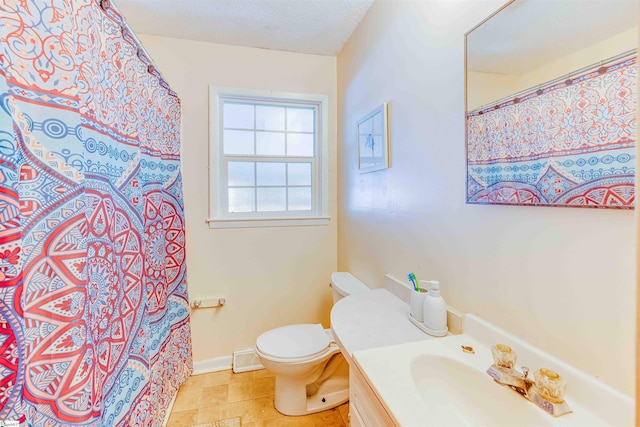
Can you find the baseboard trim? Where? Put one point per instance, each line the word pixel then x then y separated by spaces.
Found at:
pixel 215 364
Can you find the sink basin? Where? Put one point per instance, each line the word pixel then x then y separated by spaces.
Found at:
pixel 434 383
pixel 459 394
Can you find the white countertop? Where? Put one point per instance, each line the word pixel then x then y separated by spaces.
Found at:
pixel 372 319
pixel 389 372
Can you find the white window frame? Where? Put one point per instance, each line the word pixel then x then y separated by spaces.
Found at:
pixel 219 217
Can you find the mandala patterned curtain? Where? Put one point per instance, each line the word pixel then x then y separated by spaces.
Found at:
pixel 94 325
pixel 568 143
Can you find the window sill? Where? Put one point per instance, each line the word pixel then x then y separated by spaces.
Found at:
pixel 268 222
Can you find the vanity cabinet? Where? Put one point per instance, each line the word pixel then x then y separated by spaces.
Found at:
pixel 365 408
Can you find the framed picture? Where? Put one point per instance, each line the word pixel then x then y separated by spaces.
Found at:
pixel 373 141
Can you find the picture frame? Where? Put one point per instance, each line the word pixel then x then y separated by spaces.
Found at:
pixel 373 140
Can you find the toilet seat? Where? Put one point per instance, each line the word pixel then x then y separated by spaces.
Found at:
pixel 294 343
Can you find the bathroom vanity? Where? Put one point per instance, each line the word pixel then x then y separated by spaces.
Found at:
pixel 365 408
pixel 365 321
pixel 400 376
pixel 437 383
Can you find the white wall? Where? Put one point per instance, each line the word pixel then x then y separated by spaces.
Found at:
pixel 486 88
pixel 605 49
pixel 269 276
pixel 562 278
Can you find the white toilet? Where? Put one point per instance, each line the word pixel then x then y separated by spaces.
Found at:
pixel 311 374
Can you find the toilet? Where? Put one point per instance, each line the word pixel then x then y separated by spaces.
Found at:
pixel 311 373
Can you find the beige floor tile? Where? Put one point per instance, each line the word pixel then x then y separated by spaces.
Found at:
pixel 192 382
pixel 188 400
pixel 215 378
pixel 182 419
pixel 265 409
pixel 330 418
pixel 344 413
pixel 208 398
pixel 206 380
pixel 241 391
pixel 264 387
pixel 246 409
pixel 241 376
pixel 212 414
pixel 262 373
pixel 302 421
pixel 272 422
pixel 214 395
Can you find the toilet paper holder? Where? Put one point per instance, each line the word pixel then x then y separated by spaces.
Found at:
pixel 208 303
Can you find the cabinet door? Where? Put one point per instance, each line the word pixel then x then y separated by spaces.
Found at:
pixel 355 417
pixel 365 405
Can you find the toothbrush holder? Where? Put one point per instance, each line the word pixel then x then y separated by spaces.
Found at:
pixel 417 303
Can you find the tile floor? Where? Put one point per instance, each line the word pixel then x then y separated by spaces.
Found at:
pixel 211 397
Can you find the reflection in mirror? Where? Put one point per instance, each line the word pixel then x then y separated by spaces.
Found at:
pixel 551 92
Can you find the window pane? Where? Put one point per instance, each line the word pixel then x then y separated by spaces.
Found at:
pixel 271 174
pixel 272 199
pixel 241 200
pixel 300 199
pixel 300 119
pixel 270 143
pixel 241 174
pixel 238 142
pixel 268 149
pixel 238 116
pixel 269 118
pixel 299 173
pixel 299 144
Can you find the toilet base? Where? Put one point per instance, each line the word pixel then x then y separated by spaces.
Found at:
pixel 308 384
pixel 333 392
pixel 331 398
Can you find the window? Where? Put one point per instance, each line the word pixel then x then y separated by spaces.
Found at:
pixel 268 161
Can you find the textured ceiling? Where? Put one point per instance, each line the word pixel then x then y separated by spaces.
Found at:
pixel 307 26
pixel 529 33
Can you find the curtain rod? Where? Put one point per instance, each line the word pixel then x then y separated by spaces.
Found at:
pixel 106 5
pixel 557 79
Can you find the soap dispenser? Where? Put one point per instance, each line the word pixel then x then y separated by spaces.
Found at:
pixel 435 311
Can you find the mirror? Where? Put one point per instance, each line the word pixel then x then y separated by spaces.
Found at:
pixel 551 104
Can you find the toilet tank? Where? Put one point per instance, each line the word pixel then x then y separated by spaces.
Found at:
pixel 344 284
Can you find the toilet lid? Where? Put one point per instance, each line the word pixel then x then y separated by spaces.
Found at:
pixel 293 341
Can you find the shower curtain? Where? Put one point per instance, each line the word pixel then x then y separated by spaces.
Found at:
pixel 94 319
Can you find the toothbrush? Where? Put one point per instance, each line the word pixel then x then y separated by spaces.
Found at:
pixel 412 278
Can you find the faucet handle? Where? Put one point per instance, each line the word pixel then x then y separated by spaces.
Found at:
pixel 525 371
